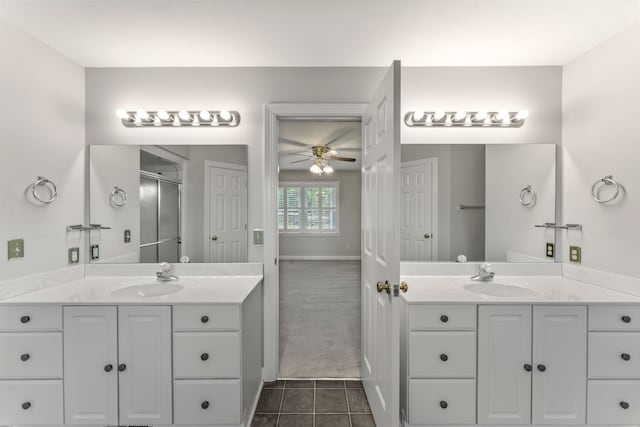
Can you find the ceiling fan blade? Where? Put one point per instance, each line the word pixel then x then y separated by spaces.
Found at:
pixel 296 154
pixel 337 137
pixel 293 142
pixel 348 150
pixel 299 161
pixel 343 159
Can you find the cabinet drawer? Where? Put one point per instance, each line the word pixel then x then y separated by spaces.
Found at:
pixel 31 402
pixel 614 355
pixel 31 318
pixel 442 317
pixel 442 402
pixel 614 318
pixel 607 398
pixel 206 355
pixel 206 318
pixel 442 354
pixel 207 402
pixel 30 355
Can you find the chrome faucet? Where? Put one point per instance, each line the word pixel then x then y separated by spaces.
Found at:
pixel 164 275
pixel 484 273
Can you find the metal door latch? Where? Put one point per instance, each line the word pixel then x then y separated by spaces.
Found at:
pixel 403 286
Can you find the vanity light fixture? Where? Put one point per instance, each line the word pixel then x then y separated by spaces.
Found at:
pixel 177 118
pixel 468 119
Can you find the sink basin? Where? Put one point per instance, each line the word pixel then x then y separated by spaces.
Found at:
pixel 148 290
pixel 500 290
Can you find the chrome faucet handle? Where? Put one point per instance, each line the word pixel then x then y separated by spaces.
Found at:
pixel 165 267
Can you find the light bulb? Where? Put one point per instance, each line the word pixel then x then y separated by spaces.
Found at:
pixel 163 115
pixel 522 114
pixel 447 121
pixel 196 121
pixel 460 115
pixel 327 169
pixel 438 115
pixel 123 114
pixel 467 121
pixel 418 115
pixel 315 168
pixel 157 121
pixel 184 115
pixel 142 114
pixel 332 152
pixel 481 115
pixel 176 121
pixel 502 115
pixel 225 115
pixel 205 116
pixel 137 121
pixel 429 120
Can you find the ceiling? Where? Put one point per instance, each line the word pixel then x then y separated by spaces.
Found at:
pixel 212 33
pixel 298 136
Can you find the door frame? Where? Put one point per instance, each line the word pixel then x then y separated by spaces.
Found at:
pixel 433 161
pixel 208 164
pixel 273 113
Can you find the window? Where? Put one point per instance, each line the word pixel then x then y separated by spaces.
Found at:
pixel 308 207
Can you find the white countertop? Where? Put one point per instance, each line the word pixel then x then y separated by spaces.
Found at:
pixel 222 289
pixel 546 289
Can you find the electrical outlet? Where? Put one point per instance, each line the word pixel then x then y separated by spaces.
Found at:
pixel 16 248
pixel 258 237
pixel 74 255
pixel 127 236
pixel 95 252
pixel 550 251
pixel 575 254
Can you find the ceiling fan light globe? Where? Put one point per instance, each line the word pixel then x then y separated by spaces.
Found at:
pixel 315 169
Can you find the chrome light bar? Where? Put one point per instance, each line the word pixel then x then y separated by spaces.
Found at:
pixel 179 118
pixel 499 119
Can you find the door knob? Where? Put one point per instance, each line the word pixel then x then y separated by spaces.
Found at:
pixel 25 319
pixel 527 367
pixel 626 319
pixel 427 236
pixel 214 237
pixel 108 368
pixel 625 356
pixel 624 405
pixel 443 404
pixel 386 286
pixel 26 405
pixel 404 287
pixel 205 405
pixel 204 357
pixel 542 368
pixel 24 357
pixel 122 367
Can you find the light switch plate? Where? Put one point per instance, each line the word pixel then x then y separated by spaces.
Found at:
pixel 16 249
pixel 74 255
pixel 127 236
pixel 258 237
pixel 550 251
pixel 95 252
pixel 575 254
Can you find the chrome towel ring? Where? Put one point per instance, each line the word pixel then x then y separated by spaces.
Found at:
pixel 528 197
pixel 42 182
pixel 607 180
pixel 118 197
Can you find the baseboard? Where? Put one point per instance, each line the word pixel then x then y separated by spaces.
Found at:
pixel 319 258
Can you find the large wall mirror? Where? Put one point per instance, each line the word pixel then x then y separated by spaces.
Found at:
pixel 478 202
pixel 168 203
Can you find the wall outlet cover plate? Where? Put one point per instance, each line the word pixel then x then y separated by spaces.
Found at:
pixel 95 251
pixel 127 236
pixel 550 251
pixel 15 249
pixel 74 255
pixel 258 237
pixel 575 254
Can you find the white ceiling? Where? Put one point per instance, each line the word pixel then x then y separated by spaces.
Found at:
pixel 297 138
pixel 162 33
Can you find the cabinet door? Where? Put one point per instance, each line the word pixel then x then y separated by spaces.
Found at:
pixel 560 365
pixel 90 365
pixel 504 348
pixel 144 336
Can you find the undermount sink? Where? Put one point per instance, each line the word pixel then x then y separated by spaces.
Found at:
pixel 149 290
pixel 500 289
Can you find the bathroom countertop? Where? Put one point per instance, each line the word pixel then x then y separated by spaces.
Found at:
pixel 537 289
pixel 99 290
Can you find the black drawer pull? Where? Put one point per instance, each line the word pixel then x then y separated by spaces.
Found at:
pixel 205 405
pixel 625 356
pixel 204 319
pixel 108 368
pixel 122 367
pixel 24 357
pixel 624 405
pixel 443 404
pixel 25 319
pixel 204 356
pixel 626 319
pixel 444 318
pixel 528 367
pixel 444 357
pixel 26 405
pixel 542 368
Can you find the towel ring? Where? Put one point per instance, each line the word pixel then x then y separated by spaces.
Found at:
pixel 528 201
pixel 41 182
pixel 607 180
pixel 118 197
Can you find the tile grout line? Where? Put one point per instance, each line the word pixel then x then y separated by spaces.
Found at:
pixel 348 406
pixel 284 386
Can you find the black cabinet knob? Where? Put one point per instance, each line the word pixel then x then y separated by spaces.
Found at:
pixel 444 357
pixel 528 367
pixel 204 319
pixel 204 356
pixel 108 368
pixel 443 404
pixel 26 405
pixel 542 368
pixel 444 318
pixel 24 357
pixel 205 405
pixel 626 319
pixel 624 405
pixel 25 319
pixel 625 356
pixel 122 367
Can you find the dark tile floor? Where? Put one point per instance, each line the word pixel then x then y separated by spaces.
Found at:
pixel 313 403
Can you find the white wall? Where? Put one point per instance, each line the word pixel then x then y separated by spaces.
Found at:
pixel 42 122
pixel 601 90
pixel 345 244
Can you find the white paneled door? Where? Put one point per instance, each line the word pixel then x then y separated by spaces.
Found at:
pixel 417 234
pixel 226 212
pixel 381 250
